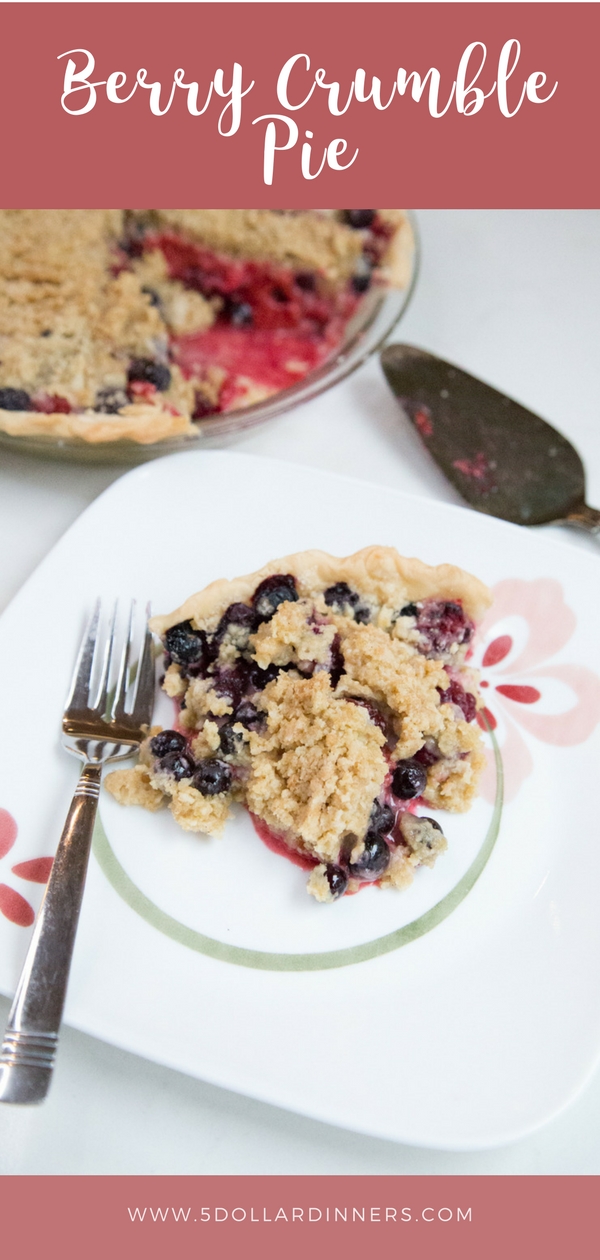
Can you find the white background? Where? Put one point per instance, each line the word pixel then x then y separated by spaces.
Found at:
pixel 513 296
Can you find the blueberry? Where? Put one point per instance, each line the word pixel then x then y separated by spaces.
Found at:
pixel 14 400
pixel 167 742
pixel 336 664
pixel 409 780
pixel 305 281
pixel 151 371
pixel 185 645
pixel 409 610
pixel 203 407
pixel 361 282
pixel 428 754
pixel 362 615
pixel 259 678
pixel 373 860
pixel 432 822
pixel 248 714
pixel 110 400
pixel 132 246
pixel 305 668
pixel 152 294
pixel 231 681
pixel 340 594
pixel 272 592
pixel 132 241
pixel 238 615
pixel 382 819
pixel 359 218
pixel 240 314
pixel 178 764
pixel 136 224
pixel 212 777
pixel 337 879
pixel 229 740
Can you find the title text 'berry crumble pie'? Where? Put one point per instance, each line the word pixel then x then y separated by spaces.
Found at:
pixel 334 699
pixel 139 324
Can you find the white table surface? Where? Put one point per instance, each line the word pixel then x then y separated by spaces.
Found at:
pixel 514 296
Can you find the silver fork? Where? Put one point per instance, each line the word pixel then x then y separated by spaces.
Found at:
pixel 98 727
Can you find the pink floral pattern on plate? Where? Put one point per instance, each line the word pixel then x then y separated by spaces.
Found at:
pixel 37 871
pixel 517 678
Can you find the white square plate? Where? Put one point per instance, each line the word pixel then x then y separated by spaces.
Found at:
pixel 462 1013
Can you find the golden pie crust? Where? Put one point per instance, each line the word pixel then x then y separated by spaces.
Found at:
pixel 376 571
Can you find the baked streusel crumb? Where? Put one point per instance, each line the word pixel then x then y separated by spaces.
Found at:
pixel 332 698
pixel 140 324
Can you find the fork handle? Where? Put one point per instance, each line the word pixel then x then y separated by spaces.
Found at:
pixel 30 1041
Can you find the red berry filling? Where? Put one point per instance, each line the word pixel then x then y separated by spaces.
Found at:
pixel 273 326
pixel 441 624
pixel 51 405
pixel 456 694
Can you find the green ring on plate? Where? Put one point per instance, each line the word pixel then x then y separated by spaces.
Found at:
pixel 261 960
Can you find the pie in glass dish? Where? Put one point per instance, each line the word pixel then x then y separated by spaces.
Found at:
pixel 334 699
pixel 138 324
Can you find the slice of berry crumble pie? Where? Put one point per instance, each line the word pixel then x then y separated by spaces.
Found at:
pixel 332 698
pixel 138 324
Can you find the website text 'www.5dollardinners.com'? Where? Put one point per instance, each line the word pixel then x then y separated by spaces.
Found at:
pixel 310 1215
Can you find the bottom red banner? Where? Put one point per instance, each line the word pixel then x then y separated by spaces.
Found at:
pixel 474 1218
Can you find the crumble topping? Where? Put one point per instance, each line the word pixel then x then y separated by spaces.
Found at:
pixel 452 781
pixel 139 325
pixel 317 770
pixel 299 699
pixel 68 325
pixel 396 676
pixel 296 238
pixel 173 683
pixel 318 884
pixel 195 812
pixel 133 787
pixel 294 635
pixel 202 700
pixel 183 310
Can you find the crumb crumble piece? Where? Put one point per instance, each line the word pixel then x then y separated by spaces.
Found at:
pixel 132 786
pixel 195 812
pixel 318 884
pixel 174 685
pixel 293 636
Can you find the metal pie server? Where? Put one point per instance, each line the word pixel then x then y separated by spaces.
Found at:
pixel 503 459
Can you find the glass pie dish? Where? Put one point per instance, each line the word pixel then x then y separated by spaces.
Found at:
pixel 373 321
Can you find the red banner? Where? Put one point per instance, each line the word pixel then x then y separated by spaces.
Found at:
pixel 424 1218
pixel 440 105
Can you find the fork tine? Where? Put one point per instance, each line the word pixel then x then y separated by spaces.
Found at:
pixel 144 691
pixel 100 705
pixel 122 685
pixel 80 686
